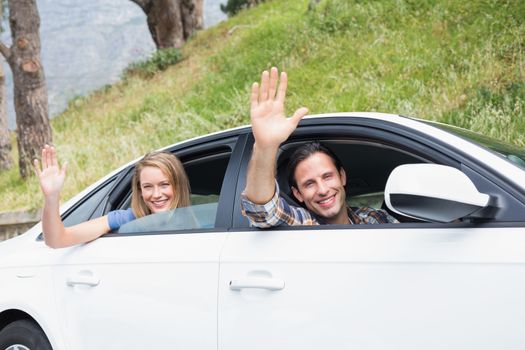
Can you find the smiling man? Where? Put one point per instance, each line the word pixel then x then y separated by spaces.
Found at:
pixel 317 177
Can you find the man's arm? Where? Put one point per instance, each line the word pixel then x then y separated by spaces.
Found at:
pixel 275 212
pixel 270 128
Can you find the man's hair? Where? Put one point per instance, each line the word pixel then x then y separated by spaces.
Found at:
pixel 304 152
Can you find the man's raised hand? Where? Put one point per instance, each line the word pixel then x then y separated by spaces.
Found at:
pixel 269 124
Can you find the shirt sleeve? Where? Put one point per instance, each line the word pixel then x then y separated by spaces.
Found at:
pixel 275 212
pixel 117 218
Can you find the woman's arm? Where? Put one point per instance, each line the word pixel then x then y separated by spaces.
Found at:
pixel 51 178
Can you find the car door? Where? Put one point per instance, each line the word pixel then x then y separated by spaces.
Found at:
pixel 394 286
pixel 153 286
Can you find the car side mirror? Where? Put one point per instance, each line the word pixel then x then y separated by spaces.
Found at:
pixel 433 192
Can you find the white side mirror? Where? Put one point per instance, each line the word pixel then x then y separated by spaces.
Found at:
pixel 432 192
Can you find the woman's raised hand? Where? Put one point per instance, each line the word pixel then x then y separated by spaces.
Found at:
pixel 269 124
pixel 50 175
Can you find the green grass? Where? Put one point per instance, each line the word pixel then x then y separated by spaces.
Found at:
pixel 458 62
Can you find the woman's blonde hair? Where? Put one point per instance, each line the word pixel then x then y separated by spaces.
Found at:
pixel 171 166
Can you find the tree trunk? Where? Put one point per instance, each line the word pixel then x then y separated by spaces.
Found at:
pixel 198 15
pixel 5 142
pixel 30 94
pixel 171 22
pixel 192 16
pixel 165 24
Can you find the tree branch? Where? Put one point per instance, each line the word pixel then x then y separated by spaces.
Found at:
pixel 5 51
pixel 143 4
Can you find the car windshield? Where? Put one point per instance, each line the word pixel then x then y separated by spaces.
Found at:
pixel 514 154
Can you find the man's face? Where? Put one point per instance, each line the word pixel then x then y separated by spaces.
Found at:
pixel 320 186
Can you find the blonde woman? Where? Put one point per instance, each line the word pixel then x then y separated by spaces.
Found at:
pixel 159 184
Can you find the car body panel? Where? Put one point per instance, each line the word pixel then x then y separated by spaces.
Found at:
pixel 152 291
pixel 28 288
pixel 370 288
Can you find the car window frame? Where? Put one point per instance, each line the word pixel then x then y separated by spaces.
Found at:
pixel 194 150
pixel 401 137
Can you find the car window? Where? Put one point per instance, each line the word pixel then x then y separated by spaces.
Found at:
pixel 371 200
pixel 201 216
pixel 85 209
pixel 206 173
pixel 367 163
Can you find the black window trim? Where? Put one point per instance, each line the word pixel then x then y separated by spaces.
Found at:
pixel 431 148
pixel 191 152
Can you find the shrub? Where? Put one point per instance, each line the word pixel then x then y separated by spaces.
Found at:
pixel 159 61
pixel 234 6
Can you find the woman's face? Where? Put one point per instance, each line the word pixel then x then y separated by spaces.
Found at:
pixel 157 191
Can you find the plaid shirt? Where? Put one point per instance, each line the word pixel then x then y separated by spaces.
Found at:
pixel 278 212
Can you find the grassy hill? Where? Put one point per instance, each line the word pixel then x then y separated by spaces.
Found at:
pixel 458 62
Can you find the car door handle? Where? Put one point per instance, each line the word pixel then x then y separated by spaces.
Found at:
pixel 257 282
pixel 83 279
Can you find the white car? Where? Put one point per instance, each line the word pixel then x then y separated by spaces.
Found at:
pixel 451 275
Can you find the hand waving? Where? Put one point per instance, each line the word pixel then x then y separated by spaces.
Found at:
pixel 269 124
pixel 51 176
